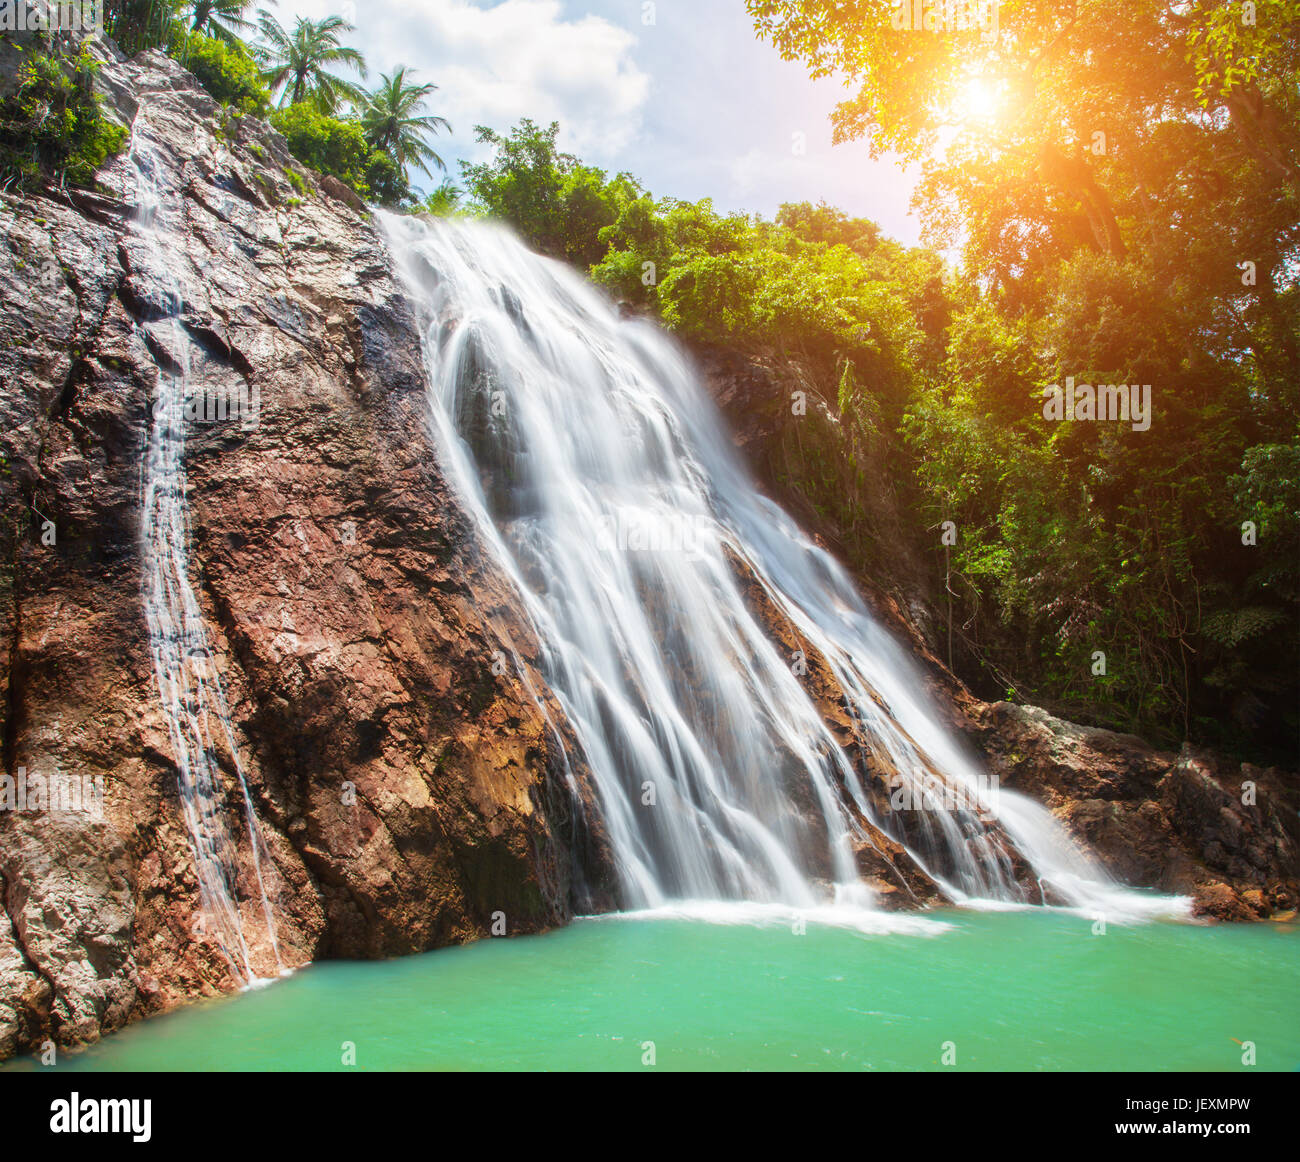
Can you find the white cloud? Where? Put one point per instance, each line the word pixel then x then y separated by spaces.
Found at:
pixel 695 106
pixel 844 176
pixel 494 65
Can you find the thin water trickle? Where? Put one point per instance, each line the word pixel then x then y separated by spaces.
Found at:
pixel 189 686
pixel 598 472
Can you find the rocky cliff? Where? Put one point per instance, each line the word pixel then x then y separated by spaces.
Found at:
pixel 376 666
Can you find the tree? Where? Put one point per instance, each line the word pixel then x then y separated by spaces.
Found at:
pixel 297 65
pixel 221 19
pixel 136 25
pixel 442 202
pixel 1123 181
pixel 1050 116
pixel 392 120
pixel 558 205
pixel 338 147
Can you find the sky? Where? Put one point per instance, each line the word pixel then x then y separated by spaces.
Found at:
pixel 679 93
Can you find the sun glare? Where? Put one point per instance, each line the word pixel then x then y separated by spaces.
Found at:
pixel 978 100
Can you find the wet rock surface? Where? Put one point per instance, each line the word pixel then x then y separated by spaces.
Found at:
pixel 1191 823
pixel 407 784
pixel 1224 833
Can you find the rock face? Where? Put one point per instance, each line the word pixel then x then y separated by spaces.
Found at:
pixel 1191 824
pixel 376 666
pixel 1227 834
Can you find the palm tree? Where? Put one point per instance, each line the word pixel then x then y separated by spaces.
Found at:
pixel 139 24
pixel 297 63
pixel 392 122
pixel 443 202
pixel 221 19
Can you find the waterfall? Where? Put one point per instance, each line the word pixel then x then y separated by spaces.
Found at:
pixel 189 686
pixel 659 580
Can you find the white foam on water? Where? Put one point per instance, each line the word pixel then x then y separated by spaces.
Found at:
pixel 868 921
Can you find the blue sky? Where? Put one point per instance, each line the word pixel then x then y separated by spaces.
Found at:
pixel 693 104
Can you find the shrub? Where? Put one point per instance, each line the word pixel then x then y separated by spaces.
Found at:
pixel 52 126
pixel 227 71
pixel 558 205
pixel 339 148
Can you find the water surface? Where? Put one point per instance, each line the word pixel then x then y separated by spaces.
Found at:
pixel 1020 990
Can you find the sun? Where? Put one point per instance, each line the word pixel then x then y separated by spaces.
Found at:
pixel 979 99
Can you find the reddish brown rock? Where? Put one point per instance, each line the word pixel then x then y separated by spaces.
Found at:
pixel 408 790
pixel 1191 824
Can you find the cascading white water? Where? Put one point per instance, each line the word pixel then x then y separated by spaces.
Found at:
pixel 596 468
pixel 189 687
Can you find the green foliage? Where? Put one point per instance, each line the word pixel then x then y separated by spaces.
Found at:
pixel 136 25
pixel 557 204
pixel 814 283
pixel 1268 494
pixel 392 119
pixel 224 20
pixel 1228 54
pixel 1080 537
pixel 52 127
pixel 225 69
pixel 441 203
pixel 339 148
pixel 295 179
pixel 327 144
pixel 299 65
pixel 387 180
pixel 1129 212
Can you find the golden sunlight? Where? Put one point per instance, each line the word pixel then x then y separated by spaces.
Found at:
pixel 979 99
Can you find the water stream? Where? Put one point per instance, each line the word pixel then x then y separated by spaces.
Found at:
pixel 189 686
pixel 597 470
